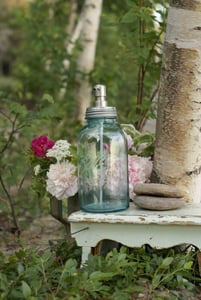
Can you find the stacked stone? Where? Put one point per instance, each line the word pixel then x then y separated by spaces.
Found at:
pixel 155 196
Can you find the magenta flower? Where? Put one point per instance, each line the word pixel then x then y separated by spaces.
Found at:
pixel 40 145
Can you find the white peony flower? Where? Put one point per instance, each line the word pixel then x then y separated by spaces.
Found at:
pixel 61 180
pixel 60 150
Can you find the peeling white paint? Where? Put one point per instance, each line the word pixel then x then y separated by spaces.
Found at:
pixel 189 214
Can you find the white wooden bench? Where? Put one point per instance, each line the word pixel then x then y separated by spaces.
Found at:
pixel 135 227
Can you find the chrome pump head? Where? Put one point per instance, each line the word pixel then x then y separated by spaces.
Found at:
pixel 100 95
pixel 100 109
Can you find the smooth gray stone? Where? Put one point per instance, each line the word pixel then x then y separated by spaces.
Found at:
pixel 157 189
pixel 158 203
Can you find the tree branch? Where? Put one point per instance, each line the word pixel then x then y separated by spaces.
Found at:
pixel 12 132
pixel 11 203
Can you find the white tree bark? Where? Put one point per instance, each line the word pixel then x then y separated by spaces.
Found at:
pixel 86 57
pixel 177 158
pixel 73 31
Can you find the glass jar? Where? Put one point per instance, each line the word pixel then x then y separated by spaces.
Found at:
pixel 102 160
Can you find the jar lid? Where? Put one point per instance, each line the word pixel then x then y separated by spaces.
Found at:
pixel 100 109
pixel 97 112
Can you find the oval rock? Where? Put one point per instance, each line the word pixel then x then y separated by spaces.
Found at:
pixel 157 189
pixel 158 203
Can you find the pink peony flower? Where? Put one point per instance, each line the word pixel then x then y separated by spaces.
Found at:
pixel 61 180
pixel 139 170
pixel 40 145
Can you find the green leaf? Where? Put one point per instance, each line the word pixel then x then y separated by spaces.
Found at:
pixel 166 262
pixel 156 280
pixel 188 265
pixel 4 282
pixel 129 3
pixel 129 17
pixel 46 256
pixel 20 268
pixel 48 98
pixel 26 290
pixel 71 265
pixel 98 275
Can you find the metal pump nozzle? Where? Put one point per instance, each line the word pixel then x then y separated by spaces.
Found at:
pixel 100 95
pixel 100 110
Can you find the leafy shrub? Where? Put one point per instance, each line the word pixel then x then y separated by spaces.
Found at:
pixel 120 275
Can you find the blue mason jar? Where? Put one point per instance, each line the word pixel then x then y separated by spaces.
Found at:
pixel 102 159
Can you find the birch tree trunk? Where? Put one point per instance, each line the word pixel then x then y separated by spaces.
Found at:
pixel 86 57
pixel 73 33
pixel 177 158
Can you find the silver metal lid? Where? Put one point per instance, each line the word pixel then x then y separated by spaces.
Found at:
pixel 100 109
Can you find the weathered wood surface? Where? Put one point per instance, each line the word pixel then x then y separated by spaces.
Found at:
pixel 158 189
pixel 189 214
pixel 135 227
pixel 158 203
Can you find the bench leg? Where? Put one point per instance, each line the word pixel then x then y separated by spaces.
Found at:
pixel 85 252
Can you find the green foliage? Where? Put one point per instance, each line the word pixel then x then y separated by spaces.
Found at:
pixel 40 30
pixel 123 274
pixel 18 126
pixel 131 68
pixel 143 144
pixel 43 28
pixel 128 56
